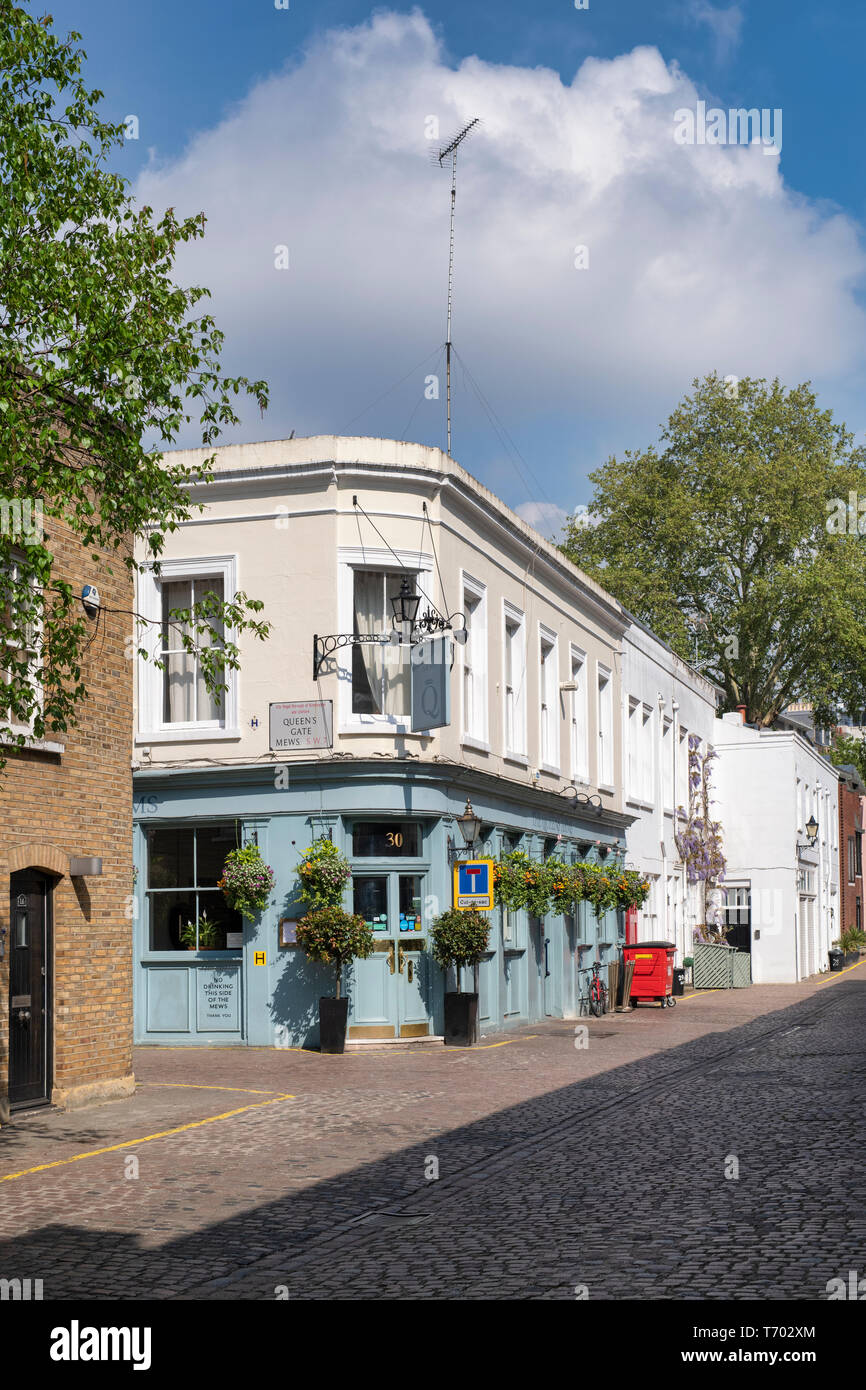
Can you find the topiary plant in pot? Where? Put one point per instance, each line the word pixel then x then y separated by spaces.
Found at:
pixel 334 937
pixel 459 939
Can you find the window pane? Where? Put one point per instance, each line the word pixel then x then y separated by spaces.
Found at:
pixel 396 667
pixel 168 913
pixel 386 839
pixel 368 609
pixel 176 593
pixel 410 902
pixel 370 901
pixel 213 843
pixel 170 857
pixel 178 689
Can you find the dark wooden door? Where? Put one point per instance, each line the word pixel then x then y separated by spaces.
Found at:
pixel 29 988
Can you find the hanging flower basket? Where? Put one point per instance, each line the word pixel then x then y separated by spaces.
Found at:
pixel 324 873
pixel 247 881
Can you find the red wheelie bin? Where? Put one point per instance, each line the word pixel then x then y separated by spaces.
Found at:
pixel 653 977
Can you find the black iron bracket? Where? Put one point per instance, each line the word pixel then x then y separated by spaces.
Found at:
pixel 323 647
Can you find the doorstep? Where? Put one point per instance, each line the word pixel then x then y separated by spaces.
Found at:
pixel 359 1044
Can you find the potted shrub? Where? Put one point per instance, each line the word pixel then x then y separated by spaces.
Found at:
pixel 459 939
pixel 850 942
pixel 208 933
pixel 247 881
pixel 334 937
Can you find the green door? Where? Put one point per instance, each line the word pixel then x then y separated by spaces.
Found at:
pixel 390 992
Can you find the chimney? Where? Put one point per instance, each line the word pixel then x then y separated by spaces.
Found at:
pixel 741 711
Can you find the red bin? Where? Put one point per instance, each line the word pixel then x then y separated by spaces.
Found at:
pixel 653 971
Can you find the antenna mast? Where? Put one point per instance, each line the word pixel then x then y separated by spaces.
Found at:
pixel 451 149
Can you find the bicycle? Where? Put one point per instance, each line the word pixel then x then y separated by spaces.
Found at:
pixel 597 992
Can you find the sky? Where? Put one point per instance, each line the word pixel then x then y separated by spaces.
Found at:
pixel 605 255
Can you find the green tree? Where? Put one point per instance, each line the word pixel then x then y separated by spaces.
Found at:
pixel 848 750
pixel 103 360
pixel 735 541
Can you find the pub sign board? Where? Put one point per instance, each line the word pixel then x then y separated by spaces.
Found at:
pixel 431 683
pixel 473 886
pixel 302 724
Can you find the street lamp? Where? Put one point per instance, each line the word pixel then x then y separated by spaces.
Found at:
pixel 470 828
pixel 470 825
pixel 405 604
pixel 812 831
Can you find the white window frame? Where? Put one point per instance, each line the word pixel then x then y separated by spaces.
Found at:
pixel 514 616
pixel 548 698
pixel 605 761
pixel 151 726
pixel 632 748
pixel 579 717
pixel 378 558
pixel 33 648
pixel 474 663
pixel 647 756
pixel 667 762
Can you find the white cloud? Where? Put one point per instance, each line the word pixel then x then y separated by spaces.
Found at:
pixel 725 24
pixel 699 257
pixel 546 518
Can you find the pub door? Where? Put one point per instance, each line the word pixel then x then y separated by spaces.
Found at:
pixel 30 958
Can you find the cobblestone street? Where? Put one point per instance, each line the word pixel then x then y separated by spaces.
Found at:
pixel 710 1151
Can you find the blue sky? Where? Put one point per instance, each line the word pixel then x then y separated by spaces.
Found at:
pixel 302 126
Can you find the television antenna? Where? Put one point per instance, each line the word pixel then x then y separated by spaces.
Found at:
pixel 451 148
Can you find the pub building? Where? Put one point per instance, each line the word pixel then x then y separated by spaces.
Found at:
pixel 428 649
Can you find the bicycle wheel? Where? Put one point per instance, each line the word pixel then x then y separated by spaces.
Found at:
pixel 595 1004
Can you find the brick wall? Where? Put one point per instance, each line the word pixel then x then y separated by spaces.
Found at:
pixel 79 802
pixel 849 818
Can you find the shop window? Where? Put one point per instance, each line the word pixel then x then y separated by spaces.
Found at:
pixel 184 864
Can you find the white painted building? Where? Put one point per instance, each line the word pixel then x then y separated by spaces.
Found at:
pixel 769 784
pixel 664 700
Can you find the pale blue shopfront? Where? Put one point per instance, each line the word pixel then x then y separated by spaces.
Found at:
pixel 392 818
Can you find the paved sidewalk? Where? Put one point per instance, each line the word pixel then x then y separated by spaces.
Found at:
pixel 236 1171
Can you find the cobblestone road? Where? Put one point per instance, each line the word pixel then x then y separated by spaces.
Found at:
pixel 243 1174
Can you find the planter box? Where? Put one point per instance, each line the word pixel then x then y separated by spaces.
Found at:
pixel 461 1019
pixel 333 1016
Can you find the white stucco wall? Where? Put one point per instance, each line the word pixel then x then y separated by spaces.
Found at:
pixel 282 512
pixel 671 690
pixel 768 784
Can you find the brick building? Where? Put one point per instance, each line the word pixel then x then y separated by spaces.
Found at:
pixel 65 926
pixel 851 794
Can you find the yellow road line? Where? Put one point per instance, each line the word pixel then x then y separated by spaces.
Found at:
pixel 837 974
pixel 485 1047
pixel 146 1139
pixel 194 1086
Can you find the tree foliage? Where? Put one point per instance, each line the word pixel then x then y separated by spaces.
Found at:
pixel 726 539
pixel 850 751
pixel 103 361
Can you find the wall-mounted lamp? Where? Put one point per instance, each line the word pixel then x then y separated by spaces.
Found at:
pixel 812 831
pixel 81 866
